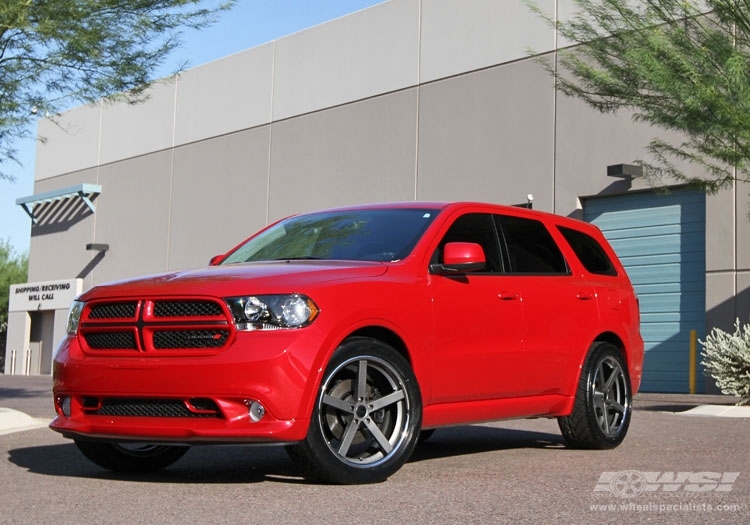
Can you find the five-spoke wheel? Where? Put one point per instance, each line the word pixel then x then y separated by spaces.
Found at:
pixel 601 414
pixel 367 416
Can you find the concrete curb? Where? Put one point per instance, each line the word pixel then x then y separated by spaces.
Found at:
pixel 14 421
pixel 718 411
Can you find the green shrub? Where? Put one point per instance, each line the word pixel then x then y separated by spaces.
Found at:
pixel 726 357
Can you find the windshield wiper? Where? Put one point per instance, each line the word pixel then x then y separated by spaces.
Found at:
pixel 301 258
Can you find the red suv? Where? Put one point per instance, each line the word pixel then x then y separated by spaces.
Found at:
pixel 346 334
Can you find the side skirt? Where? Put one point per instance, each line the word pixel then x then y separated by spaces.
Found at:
pixel 447 414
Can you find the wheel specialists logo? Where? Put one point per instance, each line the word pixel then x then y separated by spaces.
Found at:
pixel 630 483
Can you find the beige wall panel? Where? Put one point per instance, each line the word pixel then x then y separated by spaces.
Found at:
pixel 58 240
pixel 218 196
pixel 567 10
pixel 460 36
pixel 225 96
pixel 362 55
pixel 721 307
pixel 132 216
pixel 362 152
pixel 743 297
pixel 19 328
pixel 74 131
pixel 129 130
pixel 720 231
pixel 743 226
pixel 588 141
pixel 487 136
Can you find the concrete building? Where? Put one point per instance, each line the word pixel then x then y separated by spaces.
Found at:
pixel 406 100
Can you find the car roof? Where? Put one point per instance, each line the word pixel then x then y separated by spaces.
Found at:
pixel 440 205
pixel 518 211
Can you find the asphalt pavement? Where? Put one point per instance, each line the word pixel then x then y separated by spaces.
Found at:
pixel 672 468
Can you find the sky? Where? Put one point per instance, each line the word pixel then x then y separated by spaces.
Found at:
pixel 248 24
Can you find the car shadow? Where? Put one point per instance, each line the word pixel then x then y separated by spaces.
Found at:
pixel 676 408
pixel 224 464
pixel 9 393
pixel 463 440
pixel 237 464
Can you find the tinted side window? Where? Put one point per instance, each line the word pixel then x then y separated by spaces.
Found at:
pixel 589 252
pixel 480 229
pixel 531 248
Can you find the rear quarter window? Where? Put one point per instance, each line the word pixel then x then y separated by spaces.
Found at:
pixel 531 249
pixel 589 251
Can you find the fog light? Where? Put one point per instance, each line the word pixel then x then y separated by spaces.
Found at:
pixel 257 411
pixel 65 403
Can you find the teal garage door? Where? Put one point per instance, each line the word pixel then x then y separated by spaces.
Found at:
pixel 660 238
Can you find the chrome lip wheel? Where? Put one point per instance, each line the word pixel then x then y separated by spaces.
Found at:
pixel 138 449
pixel 367 416
pixel 131 456
pixel 364 411
pixel 611 401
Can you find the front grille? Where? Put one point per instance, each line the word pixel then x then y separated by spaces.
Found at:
pixel 111 340
pixel 152 408
pixel 186 309
pixel 151 325
pixel 190 339
pixel 113 310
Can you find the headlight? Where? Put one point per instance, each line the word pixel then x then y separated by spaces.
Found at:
pixel 74 317
pixel 272 312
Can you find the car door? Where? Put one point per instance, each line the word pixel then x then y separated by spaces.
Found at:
pixel 477 320
pixel 559 308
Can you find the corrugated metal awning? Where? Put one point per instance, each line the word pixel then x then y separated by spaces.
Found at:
pixel 85 192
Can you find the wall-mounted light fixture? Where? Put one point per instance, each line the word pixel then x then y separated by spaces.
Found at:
pixel 624 171
pixel 528 204
pixel 97 247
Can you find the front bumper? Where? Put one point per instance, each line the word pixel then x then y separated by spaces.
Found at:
pixel 190 399
pixel 241 430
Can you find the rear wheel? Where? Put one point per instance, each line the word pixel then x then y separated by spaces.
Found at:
pixel 603 404
pixel 130 457
pixel 366 420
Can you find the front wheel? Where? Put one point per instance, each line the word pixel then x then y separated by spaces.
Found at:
pixel 367 416
pixel 130 457
pixel 603 404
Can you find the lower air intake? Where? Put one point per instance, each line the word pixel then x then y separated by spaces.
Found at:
pixel 155 408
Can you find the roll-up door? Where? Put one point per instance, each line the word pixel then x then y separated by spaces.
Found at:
pixel 660 239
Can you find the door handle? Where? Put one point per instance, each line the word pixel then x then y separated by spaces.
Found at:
pixel 507 296
pixel 584 296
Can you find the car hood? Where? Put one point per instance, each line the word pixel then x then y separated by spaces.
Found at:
pixel 238 279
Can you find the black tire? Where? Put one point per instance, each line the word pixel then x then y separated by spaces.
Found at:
pixel 367 416
pixel 130 457
pixel 603 404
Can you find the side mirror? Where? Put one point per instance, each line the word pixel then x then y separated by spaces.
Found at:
pixel 215 260
pixel 460 257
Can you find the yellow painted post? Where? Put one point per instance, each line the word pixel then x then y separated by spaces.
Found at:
pixel 691 367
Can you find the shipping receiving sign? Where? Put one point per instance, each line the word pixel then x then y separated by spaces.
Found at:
pixel 48 295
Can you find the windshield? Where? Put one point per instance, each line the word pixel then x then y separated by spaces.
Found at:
pixel 364 235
